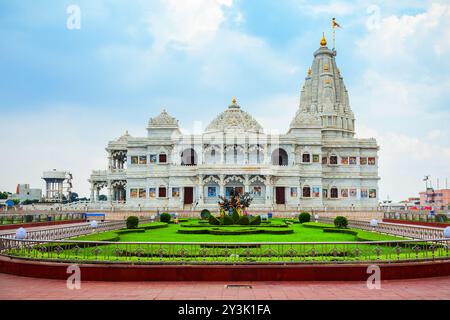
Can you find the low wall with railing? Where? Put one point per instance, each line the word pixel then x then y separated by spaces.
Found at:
pixel 407 231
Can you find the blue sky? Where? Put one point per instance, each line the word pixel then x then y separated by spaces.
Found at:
pixel 66 93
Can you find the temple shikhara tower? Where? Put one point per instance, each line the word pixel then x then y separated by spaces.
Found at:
pixel 317 163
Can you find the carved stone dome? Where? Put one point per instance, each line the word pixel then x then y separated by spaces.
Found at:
pixel 234 118
pixel 164 120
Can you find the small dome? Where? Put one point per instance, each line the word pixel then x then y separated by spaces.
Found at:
pixel 234 118
pixel 163 120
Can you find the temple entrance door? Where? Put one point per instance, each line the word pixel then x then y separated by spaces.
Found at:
pixel 280 195
pixel 188 195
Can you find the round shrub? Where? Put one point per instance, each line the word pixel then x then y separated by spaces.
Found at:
pixel 255 221
pixel 205 214
pixel 132 222
pixel 243 221
pixel 213 220
pixel 165 217
pixel 227 220
pixel 304 217
pixel 340 222
pixel 235 216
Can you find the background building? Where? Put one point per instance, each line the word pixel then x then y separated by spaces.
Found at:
pixel 24 192
pixel 439 198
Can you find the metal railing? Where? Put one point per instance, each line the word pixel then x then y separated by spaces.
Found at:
pixel 407 231
pixel 70 251
pixel 56 233
pixel 421 216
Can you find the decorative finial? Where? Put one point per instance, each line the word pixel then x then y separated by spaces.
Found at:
pixel 234 101
pixel 323 42
pixel 309 71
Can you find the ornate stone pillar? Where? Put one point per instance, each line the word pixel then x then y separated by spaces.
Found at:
pixel 92 192
pixel 269 191
pixel 222 154
pixel 110 192
pixel 97 194
pixel 247 183
pixel 200 190
pixel 222 185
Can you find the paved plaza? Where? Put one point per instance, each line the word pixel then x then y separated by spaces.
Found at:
pixel 14 287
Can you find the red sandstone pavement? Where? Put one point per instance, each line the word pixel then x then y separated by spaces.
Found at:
pixel 14 287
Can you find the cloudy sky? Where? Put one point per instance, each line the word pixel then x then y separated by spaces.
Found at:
pixel 65 92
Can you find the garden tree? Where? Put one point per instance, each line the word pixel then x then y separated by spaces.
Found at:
pixel 102 197
pixel 4 195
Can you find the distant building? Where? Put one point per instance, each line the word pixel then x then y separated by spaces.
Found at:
pixel 438 198
pixel 24 192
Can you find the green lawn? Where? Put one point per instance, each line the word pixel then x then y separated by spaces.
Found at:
pixel 301 234
pixel 311 233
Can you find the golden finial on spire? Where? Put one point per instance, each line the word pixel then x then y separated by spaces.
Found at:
pixel 309 71
pixel 234 101
pixel 323 42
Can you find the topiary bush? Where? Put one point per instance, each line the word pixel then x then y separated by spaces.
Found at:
pixel 214 221
pixel 243 221
pixel 165 217
pixel 340 222
pixel 255 221
pixel 205 214
pixel 227 220
pixel 132 222
pixel 304 217
pixel 235 216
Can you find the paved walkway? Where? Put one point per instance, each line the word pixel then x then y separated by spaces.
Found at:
pixel 14 287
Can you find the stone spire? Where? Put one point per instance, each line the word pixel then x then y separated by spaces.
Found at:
pixel 324 99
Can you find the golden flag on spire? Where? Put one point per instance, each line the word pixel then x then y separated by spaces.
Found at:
pixel 334 24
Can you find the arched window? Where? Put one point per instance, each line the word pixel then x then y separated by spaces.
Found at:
pixel 306 192
pixel 306 157
pixel 334 193
pixel 189 157
pixel 280 157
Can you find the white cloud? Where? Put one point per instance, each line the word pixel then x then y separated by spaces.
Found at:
pixel 188 24
pixel 333 7
pixel 404 160
pixel 400 37
pixel 67 138
pixel 403 98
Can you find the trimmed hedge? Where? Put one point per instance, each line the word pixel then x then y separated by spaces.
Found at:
pixel 340 230
pixel 132 222
pixel 154 225
pixel 255 220
pixel 304 217
pixel 165 217
pixel 205 214
pixel 204 224
pixel 235 216
pixel 243 221
pixel 340 222
pixel 219 231
pixel 212 220
pixel 317 225
pixel 125 231
pixel 226 220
